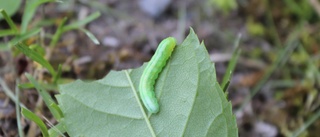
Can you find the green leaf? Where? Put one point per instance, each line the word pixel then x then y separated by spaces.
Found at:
pixel 191 101
pixel 33 117
pixel 10 6
pixel 53 107
pixel 35 56
pixel 9 20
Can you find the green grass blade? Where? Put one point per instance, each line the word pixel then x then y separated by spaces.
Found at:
pixel 7 91
pixel 26 86
pixel 58 33
pixel 91 36
pixel 17 102
pixel 57 77
pixel 29 11
pixel 7 32
pixel 282 57
pixel 231 65
pixel 57 108
pixel 9 20
pixel 33 117
pixel 311 120
pixel 46 97
pixel 81 23
pixel 46 86
pixel 35 56
pixel 57 130
pixel 23 37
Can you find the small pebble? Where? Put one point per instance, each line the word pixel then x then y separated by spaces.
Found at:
pixel 110 42
pixel 154 8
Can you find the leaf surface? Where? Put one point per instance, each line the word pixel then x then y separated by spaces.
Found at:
pixel 191 101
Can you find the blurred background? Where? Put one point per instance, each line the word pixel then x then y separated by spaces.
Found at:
pixel 275 86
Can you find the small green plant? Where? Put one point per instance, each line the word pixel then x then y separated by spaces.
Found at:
pixel 26 31
pixel 35 51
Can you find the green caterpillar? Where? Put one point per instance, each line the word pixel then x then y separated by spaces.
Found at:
pixel 151 72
